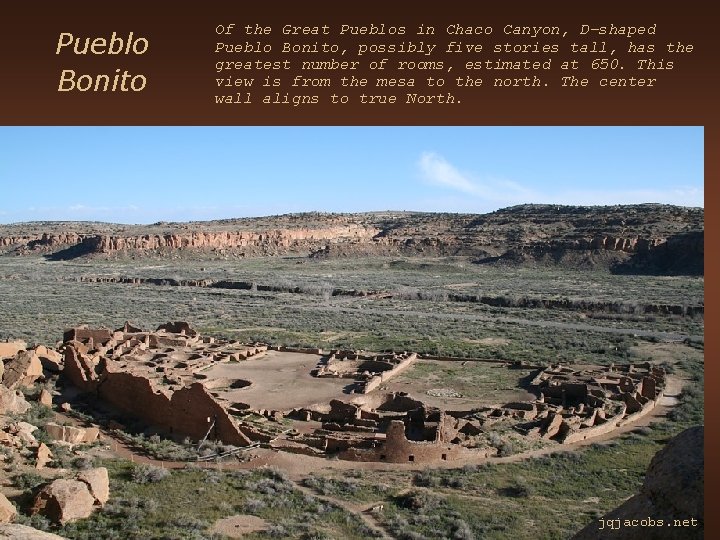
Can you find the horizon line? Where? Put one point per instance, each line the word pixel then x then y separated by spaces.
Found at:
pixel 330 212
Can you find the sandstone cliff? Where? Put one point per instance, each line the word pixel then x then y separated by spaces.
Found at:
pixel 633 238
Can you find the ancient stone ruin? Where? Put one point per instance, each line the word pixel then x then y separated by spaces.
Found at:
pixel 368 370
pixel 334 403
pixel 580 404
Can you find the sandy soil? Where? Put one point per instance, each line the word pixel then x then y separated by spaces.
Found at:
pixel 280 381
pixel 238 526
pixel 480 384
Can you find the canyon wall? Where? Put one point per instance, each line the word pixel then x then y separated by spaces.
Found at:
pixel 632 238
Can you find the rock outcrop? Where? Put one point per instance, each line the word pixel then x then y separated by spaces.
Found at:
pixel 41 240
pixel 278 238
pixel 71 434
pixel 24 432
pixel 673 490
pixel 65 500
pixel 9 349
pixel 12 401
pixel 15 531
pixel 22 370
pixel 7 510
pixel 45 398
pixel 98 483
pixel 43 456
pixel 50 359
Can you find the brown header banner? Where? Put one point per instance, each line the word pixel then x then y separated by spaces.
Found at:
pixel 377 62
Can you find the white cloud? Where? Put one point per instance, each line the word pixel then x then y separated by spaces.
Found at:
pixel 489 193
pixel 438 171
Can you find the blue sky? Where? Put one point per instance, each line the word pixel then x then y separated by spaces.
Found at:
pixel 148 174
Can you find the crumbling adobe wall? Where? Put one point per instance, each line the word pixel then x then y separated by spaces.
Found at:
pixel 461 359
pixel 447 428
pixel 193 410
pixel 303 350
pixel 342 412
pixel 398 449
pixel 134 395
pixel 189 411
pixel 159 341
pixel 178 327
pixel 99 336
pixel 398 402
pixel 79 369
pixel 372 383
pixel 609 425
pixel 647 407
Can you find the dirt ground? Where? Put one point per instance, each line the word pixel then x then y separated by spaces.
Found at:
pixel 238 526
pixel 280 381
pixel 460 385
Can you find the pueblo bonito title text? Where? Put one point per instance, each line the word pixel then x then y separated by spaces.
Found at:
pixel 115 45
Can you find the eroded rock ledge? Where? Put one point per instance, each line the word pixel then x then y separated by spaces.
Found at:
pixel 632 238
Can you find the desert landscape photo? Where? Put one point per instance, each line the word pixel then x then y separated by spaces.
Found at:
pixel 347 333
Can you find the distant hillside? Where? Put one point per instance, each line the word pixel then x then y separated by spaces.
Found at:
pixel 647 238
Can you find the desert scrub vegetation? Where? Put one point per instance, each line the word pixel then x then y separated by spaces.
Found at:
pixel 691 409
pixel 37 415
pixel 146 474
pixel 43 311
pixel 185 503
pixel 548 498
pixel 27 481
pixel 347 487
pixel 160 447
pixel 421 514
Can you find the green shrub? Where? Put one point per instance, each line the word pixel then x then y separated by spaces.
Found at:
pixel 425 478
pixel 35 521
pixel 84 462
pixel 38 415
pixel 518 488
pixel 419 500
pixel 27 480
pixel 145 474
